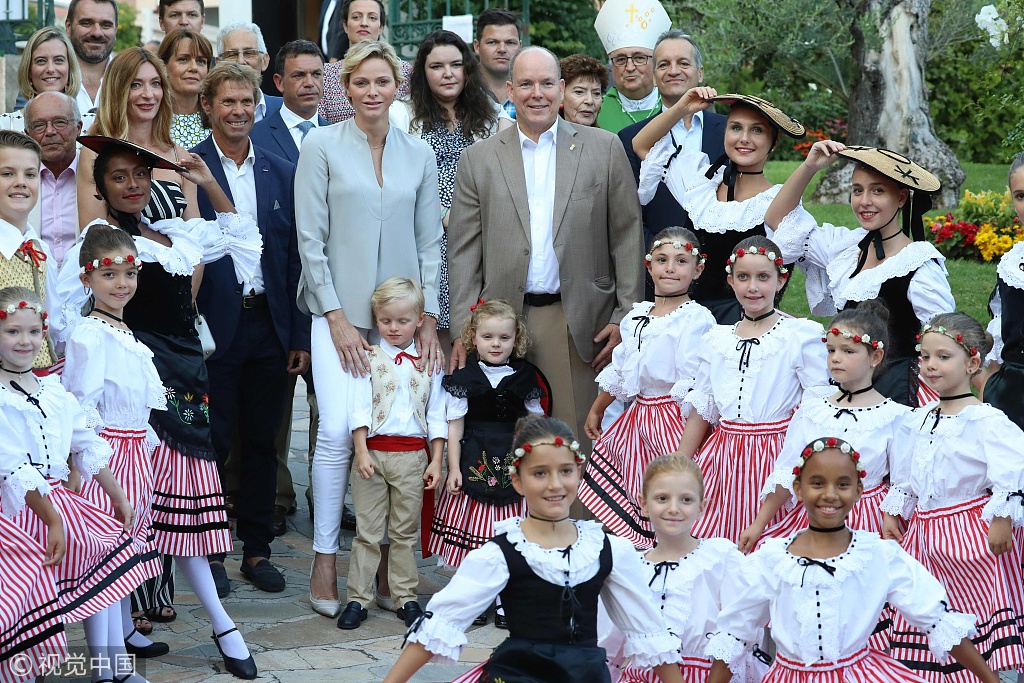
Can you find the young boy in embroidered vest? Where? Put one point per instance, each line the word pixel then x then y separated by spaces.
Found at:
pixel 396 410
pixel 25 260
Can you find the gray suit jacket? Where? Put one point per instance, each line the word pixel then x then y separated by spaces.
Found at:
pixel 597 232
pixel 352 233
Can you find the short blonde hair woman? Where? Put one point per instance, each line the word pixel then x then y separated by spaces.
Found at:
pixel 49 54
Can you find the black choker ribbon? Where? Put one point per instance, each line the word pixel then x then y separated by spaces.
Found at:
pixel 670 296
pixel 493 365
pixel 730 175
pixel 938 410
pixel 760 317
pixel 826 530
pixel 108 315
pixel 15 372
pixel 553 521
pixel 848 395
pixel 808 562
pixel 744 346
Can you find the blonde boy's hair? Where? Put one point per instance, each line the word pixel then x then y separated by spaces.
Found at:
pixel 397 289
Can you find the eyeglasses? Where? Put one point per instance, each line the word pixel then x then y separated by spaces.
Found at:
pixel 59 125
pixel 247 54
pixel 638 59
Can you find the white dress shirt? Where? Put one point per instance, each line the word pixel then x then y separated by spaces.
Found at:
pixel 292 120
pixel 539 166
pixel 401 420
pixel 261 108
pixel 691 138
pixel 242 183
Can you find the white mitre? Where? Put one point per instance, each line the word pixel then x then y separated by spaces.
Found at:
pixel 631 23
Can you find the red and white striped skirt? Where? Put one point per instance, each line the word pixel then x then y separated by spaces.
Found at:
pixel 461 524
pixel 736 462
pixel 925 394
pixel 100 566
pixel 614 474
pixel 32 636
pixel 952 544
pixel 189 518
pixel 133 469
pixel 693 669
pixel 866 515
pixel 473 675
pixel 866 666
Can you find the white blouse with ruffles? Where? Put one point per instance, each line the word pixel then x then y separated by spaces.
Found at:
pixel 821 617
pixel 785 361
pixel 34 449
pixel 961 458
pixel 870 430
pixel 484 573
pixel 658 354
pixel 112 375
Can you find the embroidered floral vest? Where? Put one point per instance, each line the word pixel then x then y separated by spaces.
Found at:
pixel 384 381
pixel 19 271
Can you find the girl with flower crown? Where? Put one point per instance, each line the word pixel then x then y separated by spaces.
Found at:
pixel 550 571
pixel 957 477
pixel 823 588
pixel 749 381
pixel 724 200
pixel 651 370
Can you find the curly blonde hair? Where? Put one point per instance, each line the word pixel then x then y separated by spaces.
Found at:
pixel 495 308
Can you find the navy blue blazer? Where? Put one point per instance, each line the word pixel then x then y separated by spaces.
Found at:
pixel 272 135
pixel 220 295
pixel 274 104
pixel 664 211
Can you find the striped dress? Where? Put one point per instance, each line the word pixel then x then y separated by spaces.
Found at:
pixel 952 475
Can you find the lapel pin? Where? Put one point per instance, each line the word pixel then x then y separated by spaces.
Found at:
pixel 572 147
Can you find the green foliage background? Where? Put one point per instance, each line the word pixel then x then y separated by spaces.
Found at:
pixel 128 34
pixel 565 27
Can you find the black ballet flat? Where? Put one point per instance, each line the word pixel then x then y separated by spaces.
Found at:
pixel 145 651
pixel 239 668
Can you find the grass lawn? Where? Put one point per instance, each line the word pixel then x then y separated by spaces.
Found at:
pixel 971 282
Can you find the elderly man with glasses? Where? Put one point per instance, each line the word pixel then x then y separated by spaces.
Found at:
pixel 242 42
pixel 628 30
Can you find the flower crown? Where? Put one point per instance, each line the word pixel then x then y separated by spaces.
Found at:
pixel 678 245
pixel 831 442
pixel 857 338
pixel 559 442
pixel 109 261
pixel 772 256
pixel 13 308
pixel 958 338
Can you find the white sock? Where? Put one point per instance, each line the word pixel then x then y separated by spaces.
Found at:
pixel 197 571
pixel 498 609
pixel 128 625
pixel 96 635
pixel 123 664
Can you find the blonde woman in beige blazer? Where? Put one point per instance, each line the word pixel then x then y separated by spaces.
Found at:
pixel 366 209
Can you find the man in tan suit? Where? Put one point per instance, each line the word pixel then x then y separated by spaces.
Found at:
pixel 545 215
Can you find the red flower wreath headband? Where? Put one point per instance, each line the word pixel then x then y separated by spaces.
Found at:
pixel 857 338
pixel 688 246
pixel 109 261
pixel 958 338
pixel 13 308
pixel 559 442
pixel 757 251
pixel 819 445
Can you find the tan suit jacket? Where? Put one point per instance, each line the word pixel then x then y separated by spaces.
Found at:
pixel 596 229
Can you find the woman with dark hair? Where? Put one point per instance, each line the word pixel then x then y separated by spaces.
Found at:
pixel 586 79
pixel 187 54
pixel 450 109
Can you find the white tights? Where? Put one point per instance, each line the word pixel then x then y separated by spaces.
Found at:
pixel 105 637
pixel 197 571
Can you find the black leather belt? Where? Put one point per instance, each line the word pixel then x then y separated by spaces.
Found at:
pixel 542 299
pixel 254 301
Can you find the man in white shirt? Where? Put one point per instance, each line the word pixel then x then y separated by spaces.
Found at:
pixel 569 260
pixel 91 26
pixel 242 42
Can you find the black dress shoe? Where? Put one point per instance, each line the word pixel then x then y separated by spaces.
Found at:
pixel 220 579
pixel 263 575
pixel 480 620
pixel 410 612
pixel 352 616
pixel 145 651
pixel 500 621
pixel 348 518
pixel 279 520
pixel 240 668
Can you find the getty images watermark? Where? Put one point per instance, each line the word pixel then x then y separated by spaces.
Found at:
pixel 73 665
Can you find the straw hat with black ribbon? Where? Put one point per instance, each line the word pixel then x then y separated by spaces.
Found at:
pixel 904 172
pixel 779 120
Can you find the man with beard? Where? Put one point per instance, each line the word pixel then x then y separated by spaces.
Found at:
pixel 92 27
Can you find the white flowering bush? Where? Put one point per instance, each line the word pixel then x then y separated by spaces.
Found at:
pixel 989 21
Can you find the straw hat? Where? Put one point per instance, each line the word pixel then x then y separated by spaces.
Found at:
pixel 631 23
pixel 894 166
pixel 99 143
pixel 781 120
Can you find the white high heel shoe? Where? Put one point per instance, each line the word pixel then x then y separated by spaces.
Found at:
pixel 328 608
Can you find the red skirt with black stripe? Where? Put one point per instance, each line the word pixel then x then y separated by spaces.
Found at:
pixel 133 469
pixel 461 524
pixel 100 566
pixel 736 462
pixel 693 669
pixel 189 518
pixel 952 543
pixel 613 478
pixel 32 636
pixel 866 666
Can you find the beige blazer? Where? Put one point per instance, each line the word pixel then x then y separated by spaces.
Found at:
pixel 353 234
pixel 597 231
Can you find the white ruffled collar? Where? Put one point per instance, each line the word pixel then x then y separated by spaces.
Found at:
pixel 867 282
pixel 583 553
pixel 658 323
pixel 125 338
pixel 952 425
pixel 821 410
pixel 49 428
pixel 862 548
pixel 709 553
pixel 1011 266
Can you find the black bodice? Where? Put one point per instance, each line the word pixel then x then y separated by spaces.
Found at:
pixel 1012 300
pixel 162 303
pixel 903 322
pixel 503 403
